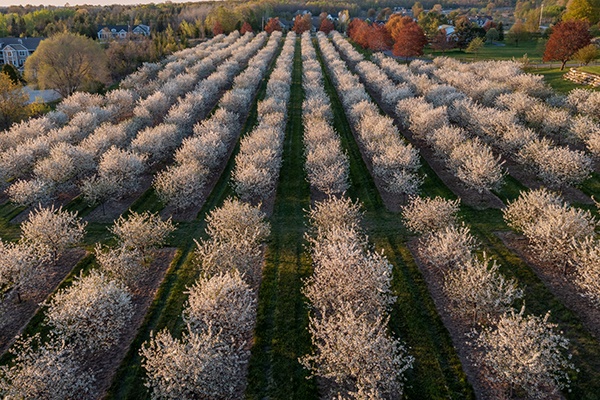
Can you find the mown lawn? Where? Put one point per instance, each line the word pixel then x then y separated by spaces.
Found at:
pixel 495 52
pixel 554 78
pixel 592 69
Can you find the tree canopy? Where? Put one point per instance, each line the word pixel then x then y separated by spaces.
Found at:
pixel 273 25
pixel 582 10
pixel 13 102
pixel 566 39
pixel 410 40
pixel 67 62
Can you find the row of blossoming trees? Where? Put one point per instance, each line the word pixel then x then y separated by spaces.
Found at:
pixel 211 358
pixel 86 319
pixel 518 352
pixel 501 338
pixel 199 156
pixel 349 291
pixel 257 165
pixel 327 166
pixel 460 115
pixel 392 161
pixel 109 160
pixel 561 236
pixel 514 113
pixel 56 154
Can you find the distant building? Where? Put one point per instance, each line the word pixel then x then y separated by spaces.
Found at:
pixel 481 20
pixel 449 29
pixel 117 32
pixel 15 51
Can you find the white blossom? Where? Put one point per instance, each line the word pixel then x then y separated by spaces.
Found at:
pixel 224 302
pixel 45 371
pixel 200 365
pixel 525 352
pixel 92 312
pixel 424 215
pixel 478 290
pixel 52 230
pixel 142 231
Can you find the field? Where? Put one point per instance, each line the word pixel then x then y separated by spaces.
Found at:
pixel 257 103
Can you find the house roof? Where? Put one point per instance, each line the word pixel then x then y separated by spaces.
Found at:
pixel 27 43
pixel 16 46
pixel 117 28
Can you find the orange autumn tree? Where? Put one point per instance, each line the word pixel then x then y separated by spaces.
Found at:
pixel 326 26
pixel 375 37
pixel 360 32
pixel 410 40
pixel 395 24
pixel 567 37
pixel 246 28
pixel 353 26
pixel 273 25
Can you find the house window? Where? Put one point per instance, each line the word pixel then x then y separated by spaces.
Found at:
pixel 9 53
pixel 22 53
pixel 20 63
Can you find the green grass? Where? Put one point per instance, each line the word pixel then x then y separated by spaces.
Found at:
pixel 591 69
pixel 554 78
pixel 493 52
pixel 538 298
pixel 281 336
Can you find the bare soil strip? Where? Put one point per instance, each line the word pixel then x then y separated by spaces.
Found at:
pixel 104 365
pixel 459 329
pixel 560 285
pixel 15 316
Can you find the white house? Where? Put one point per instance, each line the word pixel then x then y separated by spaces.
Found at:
pixel 16 50
pixel 449 29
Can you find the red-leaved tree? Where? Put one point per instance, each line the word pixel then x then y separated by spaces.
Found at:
pixel 217 28
pixel 326 26
pixel 361 34
pixel 246 28
pixel 379 38
pixel 353 26
pixel 273 25
pixel 302 23
pixel 410 40
pixel 566 39
pixel 441 42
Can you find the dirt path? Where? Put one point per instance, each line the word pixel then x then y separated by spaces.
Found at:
pixel 562 287
pixel 15 316
pixel 105 364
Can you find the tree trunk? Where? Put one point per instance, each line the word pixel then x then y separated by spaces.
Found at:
pixel 563 65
